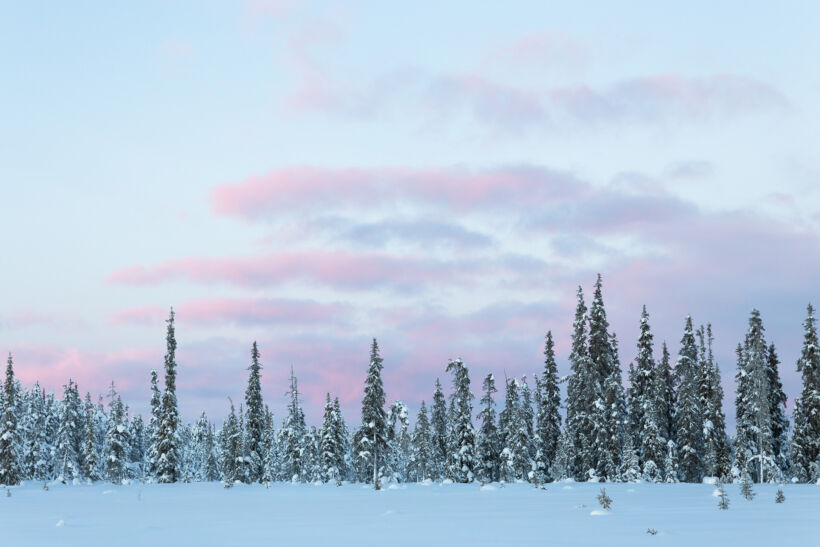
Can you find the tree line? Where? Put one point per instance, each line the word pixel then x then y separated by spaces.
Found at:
pixel 667 426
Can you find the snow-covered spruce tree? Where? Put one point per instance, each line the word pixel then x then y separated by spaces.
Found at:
pixel 462 461
pixel 371 446
pixel 70 435
pixel 52 425
pixel 212 456
pixel 331 447
pixel 604 456
pixel 422 457
pixel 688 416
pixel 200 448
pixel 665 396
pixel 630 470
pixel 231 438
pixel 805 448
pixel 10 472
pixel 515 456
pixel 117 443
pixel 90 461
pixel 548 416
pixel 291 442
pixel 311 464
pixel 489 441
pixel 439 428
pixel 643 414
pixel 36 449
pixel 167 445
pixel 398 438
pixel 343 441
pixel 717 453
pixel 255 419
pixel 615 414
pixel 754 446
pixel 152 429
pixel 136 454
pixel 528 415
pixel 581 397
pixel 271 462
pixel 670 463
pixel 777 411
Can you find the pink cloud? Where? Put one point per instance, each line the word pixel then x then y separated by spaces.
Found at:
pixel 242 311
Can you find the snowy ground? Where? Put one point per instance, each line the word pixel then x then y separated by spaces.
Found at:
pixel 449 514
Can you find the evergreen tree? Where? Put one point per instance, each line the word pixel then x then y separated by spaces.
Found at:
pixel 254 427
pixel 167 445
pixel 152 429
pixel 717 453
pixel 581 397
pixel 755 452
pixel 9 436
pixel 36 451
pixel 643 414
pixel 463 458
pixel 270 464
pixel 117 443
pixel 615 414
pixel 489 443
pixel 231 449
pixel 291 440
pixel 331 449
pixel 70 433
pixel 515 457
pixel 372 441
pixel 689 418
pixel 398 436
pixel 665 396
pixel 136 455
pixel 805 449
pixel 548 417
pixel 603 413
pixel 440 427
pixel 90 460
pixel 777 411
pixel 422 457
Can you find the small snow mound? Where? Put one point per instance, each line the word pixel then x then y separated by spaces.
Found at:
pixel 709 480
pixel 598 513
pixel 107 492
pixel 60 523
pixel 388 513
pixel 716 493
pixel 567 488
pixel 394 487
pixel 426 482
pixel 487 488
pixel 447 481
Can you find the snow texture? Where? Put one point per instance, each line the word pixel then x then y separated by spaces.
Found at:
pixel 439 514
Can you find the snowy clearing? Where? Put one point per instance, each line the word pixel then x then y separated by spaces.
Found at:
pixel 449 514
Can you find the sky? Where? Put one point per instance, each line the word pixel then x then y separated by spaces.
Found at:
pixel 440 176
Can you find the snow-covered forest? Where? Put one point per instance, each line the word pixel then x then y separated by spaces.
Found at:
pixel 668 425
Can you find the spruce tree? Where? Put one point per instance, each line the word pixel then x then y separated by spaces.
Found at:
pixel 69 436
pixel 90 460
pixel 421 459
pixel 463 458
pixel 515 457
pixel 548 416
pixel 643 414
pixel 36 452
pixel 440 427
pixel 777 411
pixel 254 426
pixel 398 437
pixel 489 443
pixel 9 436
pixel 116 461
pixel 291 437
pixel 688 416
pixel 805 449
pixel 581 397
pixel 331 448
pixel 231 449
pixel 604 414
pixel 717 458
pixel 167 446
pixel 152 429
pixel 372 442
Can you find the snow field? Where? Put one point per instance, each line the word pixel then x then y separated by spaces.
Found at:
pixel 412 514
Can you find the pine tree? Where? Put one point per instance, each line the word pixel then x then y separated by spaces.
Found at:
pixel 167 446
pixel 548 416
pixel 805 449
pixel 422 457
pixel 689 418
pixel 489 443
pixel 254 428
pixel 10 438
pixel 463 458
pixel 372 441
pixel 440 426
